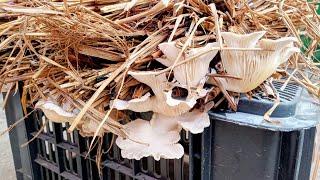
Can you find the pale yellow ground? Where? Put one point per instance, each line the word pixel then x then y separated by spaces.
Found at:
pixel 6 162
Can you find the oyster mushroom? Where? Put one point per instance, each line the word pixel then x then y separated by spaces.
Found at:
pixel 242 40
pixel 58 114
pixel 54 112
pixel 157 103
pixel 196 120
pixel 253 67
pixel 190 73
pixel 158 137
pixel 285 44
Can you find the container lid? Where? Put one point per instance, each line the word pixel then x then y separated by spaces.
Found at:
pixel 297 110
pixel 259 104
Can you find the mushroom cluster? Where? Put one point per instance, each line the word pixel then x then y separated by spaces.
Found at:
pixel 159 137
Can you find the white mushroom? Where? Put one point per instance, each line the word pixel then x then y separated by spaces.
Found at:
pixel 196 120
pixel 156 103
pixel 242 40
pixel 283 46
pixel 253 67
pixel 191 73
pixel 158 138
pixel 54 112
pixel 58 114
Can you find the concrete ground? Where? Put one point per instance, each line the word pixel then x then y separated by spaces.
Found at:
pixel 7 170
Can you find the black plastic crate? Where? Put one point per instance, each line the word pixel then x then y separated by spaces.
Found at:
pixel 56 154
pixel 233 147
pixel 242 146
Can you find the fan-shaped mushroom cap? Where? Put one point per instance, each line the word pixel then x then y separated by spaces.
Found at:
pixel 196 120
pixel 190 73
pixel 242 40
pixel 144 140
pixel 54 112
pixel 59 114
pixel 269 44
pixel 284 44
pixel 254 67
pixel 156 81
pixel 158 102
pixel 159 137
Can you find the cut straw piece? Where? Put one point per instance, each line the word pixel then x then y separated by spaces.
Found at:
pixel 51 61
pixel 38 73
pixel 176 25
pixel 32 11
pixel 155 9
pixel 288 80
pixel 8 40
pixel 100 53
pixel 217 26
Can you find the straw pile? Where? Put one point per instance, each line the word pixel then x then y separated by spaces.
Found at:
pixel 79 52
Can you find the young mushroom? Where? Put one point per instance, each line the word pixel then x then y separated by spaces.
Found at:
pixel 59 114
pixel 54 112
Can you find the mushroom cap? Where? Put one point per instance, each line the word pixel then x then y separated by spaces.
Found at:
pixel 156 81
pixel 190 73
pixel 54 112
pixel 242 40
pixel 254 67
pixel 157 103
pixel 175 102
pixel 196 120
pixel 146 141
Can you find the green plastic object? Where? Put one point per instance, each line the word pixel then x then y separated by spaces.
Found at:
pixel 307 41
